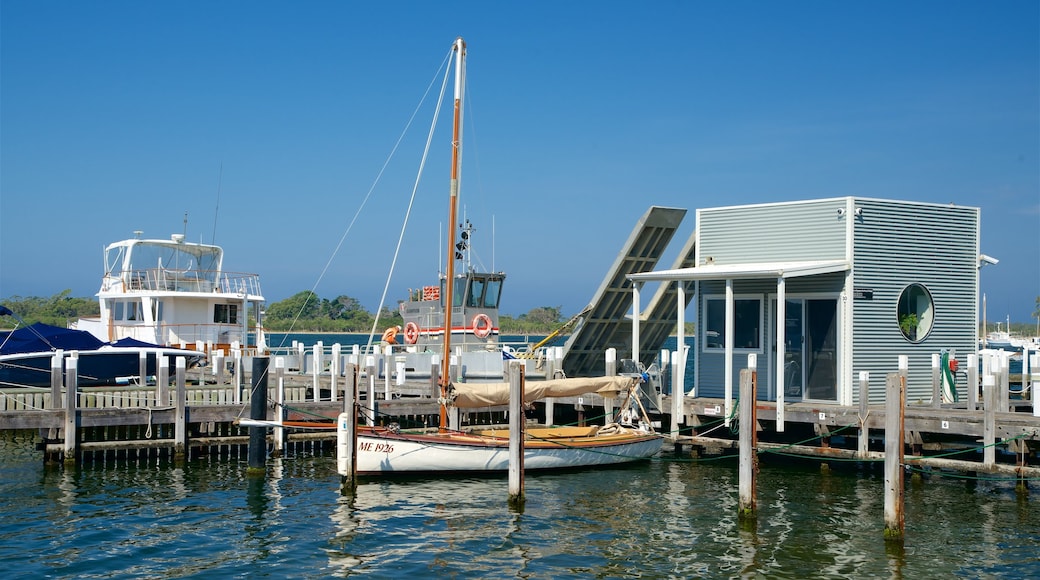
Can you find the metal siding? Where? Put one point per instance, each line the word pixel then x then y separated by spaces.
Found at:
pixel 896 244
pixel 810 230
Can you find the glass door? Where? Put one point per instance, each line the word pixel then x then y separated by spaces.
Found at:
pixel 821 352
pixel 794 377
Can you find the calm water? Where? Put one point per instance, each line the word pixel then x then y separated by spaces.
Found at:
pixel 668 518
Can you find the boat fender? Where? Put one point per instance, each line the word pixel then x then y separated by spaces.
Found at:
pixel 481 325
pixel 411 333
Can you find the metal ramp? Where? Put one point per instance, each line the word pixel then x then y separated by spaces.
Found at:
pixel 607 324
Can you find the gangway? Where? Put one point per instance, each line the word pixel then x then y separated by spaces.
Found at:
pixel 607 323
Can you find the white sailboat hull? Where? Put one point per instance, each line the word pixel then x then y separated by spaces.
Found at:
pixel 383 452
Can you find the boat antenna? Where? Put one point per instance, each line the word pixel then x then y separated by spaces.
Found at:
pixel 216 210
pixel 185 232
pixel 453 205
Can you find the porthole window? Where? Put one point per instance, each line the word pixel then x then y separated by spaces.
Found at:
pixel 915 312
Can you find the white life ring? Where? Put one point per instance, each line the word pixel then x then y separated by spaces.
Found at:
pixel 411 333
pixel 481 325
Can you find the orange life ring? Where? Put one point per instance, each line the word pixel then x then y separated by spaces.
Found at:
pixel 481 325
pixel 411 333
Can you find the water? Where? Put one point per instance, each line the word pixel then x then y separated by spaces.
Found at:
pixel 668 518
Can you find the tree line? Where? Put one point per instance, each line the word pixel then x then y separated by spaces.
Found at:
pixel 303 312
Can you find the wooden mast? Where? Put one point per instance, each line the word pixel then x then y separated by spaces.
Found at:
pixel 456 163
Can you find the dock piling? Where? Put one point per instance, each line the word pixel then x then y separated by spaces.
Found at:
pixel 895 404
pixel 517 421
pixel 747 505
pixel 257 411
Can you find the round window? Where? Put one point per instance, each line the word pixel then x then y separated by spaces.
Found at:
pixel 915 312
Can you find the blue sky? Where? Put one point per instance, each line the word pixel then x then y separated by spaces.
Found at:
pixel 269 122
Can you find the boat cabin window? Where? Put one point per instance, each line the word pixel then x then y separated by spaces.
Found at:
pixel 117 310
pixel 747 323
pixel 132 308
pixel 492 292
pixel 157 310
pixel 225 313
pixel 476 292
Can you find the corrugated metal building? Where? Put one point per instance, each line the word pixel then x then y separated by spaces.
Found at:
pixel 860 282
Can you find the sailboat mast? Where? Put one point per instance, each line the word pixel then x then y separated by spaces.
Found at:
pixel 453 205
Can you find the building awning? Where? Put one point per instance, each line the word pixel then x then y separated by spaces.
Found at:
pixel 745 271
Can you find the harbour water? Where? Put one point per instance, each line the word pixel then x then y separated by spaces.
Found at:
pixel 671 517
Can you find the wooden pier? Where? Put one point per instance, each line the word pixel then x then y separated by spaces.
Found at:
pixel 191 413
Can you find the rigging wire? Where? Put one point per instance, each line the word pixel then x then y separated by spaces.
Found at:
pixel 368 195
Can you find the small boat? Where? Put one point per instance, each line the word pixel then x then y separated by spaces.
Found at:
pixel 175 293
pixel 26 356
pixel 431 316
pixel 392 451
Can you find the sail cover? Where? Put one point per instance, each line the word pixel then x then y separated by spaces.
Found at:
pixel 475 395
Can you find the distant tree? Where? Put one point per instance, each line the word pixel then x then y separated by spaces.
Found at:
pixel 58 310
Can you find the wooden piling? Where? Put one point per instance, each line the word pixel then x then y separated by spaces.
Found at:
pixel 895 404
pixel 989 425
pixel 180 429
pixel 346 434
pixel 71 412
pixel 517 421
pixel 279 434
pixel 747 502
pixel 862 444
pixel 257 411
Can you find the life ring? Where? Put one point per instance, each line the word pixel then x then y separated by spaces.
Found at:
pixel 481 325
pixel 411 333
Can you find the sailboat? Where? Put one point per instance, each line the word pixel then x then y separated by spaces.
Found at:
pixel 391 450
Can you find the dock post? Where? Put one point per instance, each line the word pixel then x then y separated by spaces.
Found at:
pixel 238 376
pixel 517 421
pixel 142 368
pixel 936 382
pixel 56 360
pixel 1034 382
pixel 895 405
pixel 316 363
pixel 180 426
pixel 989 437
pixel 388 360
pixel 162 379
pixel 279 433
pixel 973 381
pixel 610 362
pixel 71 412
pixel 747 505
pixel 257 411
pixel 435 377
pixel 334 371
pixel 218 366
pixel 370 371
pixel 346 434
pixel 864 402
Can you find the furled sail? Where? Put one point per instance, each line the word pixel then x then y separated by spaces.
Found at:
pixel 475 395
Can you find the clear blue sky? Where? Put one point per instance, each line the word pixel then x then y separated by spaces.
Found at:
pixel 268 122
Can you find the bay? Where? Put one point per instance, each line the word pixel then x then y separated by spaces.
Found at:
pixel 672 517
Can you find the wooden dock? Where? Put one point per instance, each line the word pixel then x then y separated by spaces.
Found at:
pixel 189 414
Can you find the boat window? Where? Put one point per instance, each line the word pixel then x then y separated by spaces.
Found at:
pixel 747 323
pixel 492 293
pixel 225 313
pixel 476 292
pixel 915 312
pixel 460 291
pixel 157 310
pixel 117 310
pixel 131 310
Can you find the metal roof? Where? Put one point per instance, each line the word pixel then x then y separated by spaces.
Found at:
pixel 745 271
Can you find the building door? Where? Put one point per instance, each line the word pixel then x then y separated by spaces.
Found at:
pixel 810 353
pixel 821 352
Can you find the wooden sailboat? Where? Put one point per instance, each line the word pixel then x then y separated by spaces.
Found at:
pixel 382 451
